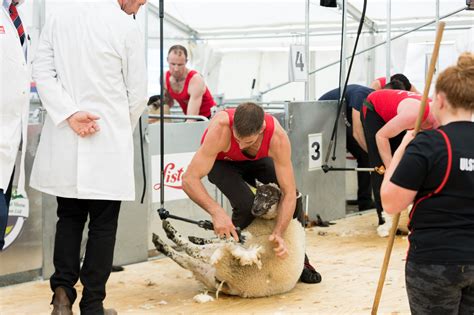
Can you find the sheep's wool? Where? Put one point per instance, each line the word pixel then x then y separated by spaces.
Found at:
pixel 216 256
pixel 203 298
pixel 248 256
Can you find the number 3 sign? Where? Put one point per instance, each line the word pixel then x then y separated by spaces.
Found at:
pixel 314 151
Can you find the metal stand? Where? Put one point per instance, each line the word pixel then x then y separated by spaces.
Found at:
pixel 162 125
pixel 342 92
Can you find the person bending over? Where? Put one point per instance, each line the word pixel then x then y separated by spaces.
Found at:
pixel 241 146
pixel 380 83
pixel 355 140
pixel 386 115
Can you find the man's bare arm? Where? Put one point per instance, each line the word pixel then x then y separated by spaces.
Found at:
pixel 358 130
pixel 280 152
pixel 404 120
pixel 376 85
pixel 196 90
pixel 216 141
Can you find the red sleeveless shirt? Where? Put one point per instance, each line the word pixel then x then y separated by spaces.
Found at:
pixel 234 153
pixel 183 97
pixel 386 102
pixel 382 81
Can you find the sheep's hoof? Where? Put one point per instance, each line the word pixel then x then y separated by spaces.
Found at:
pixel 160 246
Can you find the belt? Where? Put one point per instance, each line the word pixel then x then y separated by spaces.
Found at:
pixel 369 105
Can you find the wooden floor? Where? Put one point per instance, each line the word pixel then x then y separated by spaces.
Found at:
pixel 348 255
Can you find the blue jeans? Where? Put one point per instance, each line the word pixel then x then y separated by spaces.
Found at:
pixel 4 205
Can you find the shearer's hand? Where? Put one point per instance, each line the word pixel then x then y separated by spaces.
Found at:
pixel 223 226
pixel 83 123
pixel 280 247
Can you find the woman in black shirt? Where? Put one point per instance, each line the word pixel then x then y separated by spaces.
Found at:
pixel 435 172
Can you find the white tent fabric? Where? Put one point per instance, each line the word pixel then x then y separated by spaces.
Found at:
pixel 232 42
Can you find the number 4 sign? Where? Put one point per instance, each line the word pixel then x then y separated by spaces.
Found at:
pixel 314 151
pixel 297 64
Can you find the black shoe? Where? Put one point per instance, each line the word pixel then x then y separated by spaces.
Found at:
pixel 366 205
pixel 381 220
pixel 309 274
pixel 117 268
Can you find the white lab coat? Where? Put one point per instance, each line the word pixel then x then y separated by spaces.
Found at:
pixel 15 77
pixel 90 58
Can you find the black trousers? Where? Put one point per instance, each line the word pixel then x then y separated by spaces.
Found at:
pixel 4 206
pixel 95 271
pixel 232 178
pixel 372 123
pixel 364 188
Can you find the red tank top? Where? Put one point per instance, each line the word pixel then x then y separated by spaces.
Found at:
pixel 183 97
pixel 386 102
pixel 234 153
pixel 382 81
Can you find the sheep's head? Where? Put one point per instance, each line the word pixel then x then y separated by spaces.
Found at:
pixel 266 200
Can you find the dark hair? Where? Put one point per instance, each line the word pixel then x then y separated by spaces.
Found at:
pixel 248 119
pixel 394 85
pixel 155 100
pixel 457 82
pixel 402 78
pixel 178 49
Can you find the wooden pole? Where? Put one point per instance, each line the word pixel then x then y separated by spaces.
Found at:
pixel 396 218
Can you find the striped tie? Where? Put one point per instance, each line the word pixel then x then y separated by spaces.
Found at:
pixel 16 20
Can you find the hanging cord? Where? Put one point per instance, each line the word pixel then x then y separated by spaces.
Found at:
pixel 142 153
pixel 143 161
pixel 341 61
pixel 325 167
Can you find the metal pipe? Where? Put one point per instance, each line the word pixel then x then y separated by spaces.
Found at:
pixel 264 107
pixel 162 126
pixel 342 74
pixel 458 26
pixel 357 169
pixel 184 117
pixel 372 47
pixel 388 46
pixel 306 45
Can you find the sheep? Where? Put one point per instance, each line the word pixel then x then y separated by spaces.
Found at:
pixel 250 269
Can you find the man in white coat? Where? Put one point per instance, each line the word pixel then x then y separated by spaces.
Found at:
pixel 90 74
pixel 14 104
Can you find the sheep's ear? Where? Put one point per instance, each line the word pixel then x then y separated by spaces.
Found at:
pixel 258 183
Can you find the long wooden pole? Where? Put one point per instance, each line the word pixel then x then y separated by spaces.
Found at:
pixel 396 218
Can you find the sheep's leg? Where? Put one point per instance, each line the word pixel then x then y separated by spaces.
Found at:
pixel 197 251
pixel 203 241
pixel 202 271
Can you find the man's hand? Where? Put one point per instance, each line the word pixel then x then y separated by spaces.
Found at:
pixel 280 247
pixel 83 123
pixel 223 226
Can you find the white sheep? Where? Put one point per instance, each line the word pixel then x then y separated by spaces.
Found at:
pixel 251 269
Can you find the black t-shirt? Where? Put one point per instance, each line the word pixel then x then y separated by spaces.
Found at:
pixel 355 96
pixel 442 225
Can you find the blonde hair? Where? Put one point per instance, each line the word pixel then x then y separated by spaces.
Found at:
pixel 457 82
